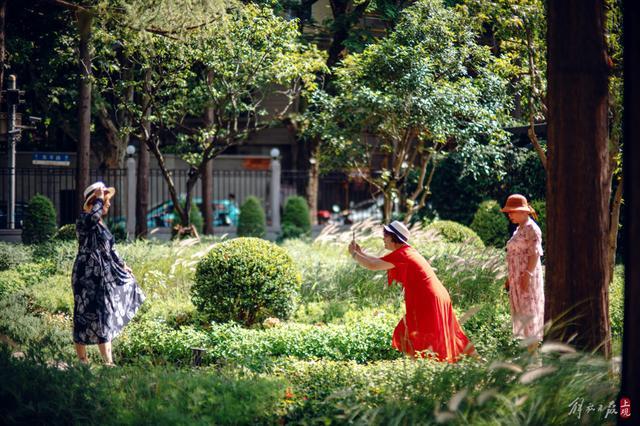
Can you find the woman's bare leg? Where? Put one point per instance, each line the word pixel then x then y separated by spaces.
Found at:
pixel 105 351
pixel 81 350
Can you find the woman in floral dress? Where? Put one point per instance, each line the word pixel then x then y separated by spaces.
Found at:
pixel 106 295
pixel 525 280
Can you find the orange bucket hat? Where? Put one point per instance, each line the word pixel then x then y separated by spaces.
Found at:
pixel 518 203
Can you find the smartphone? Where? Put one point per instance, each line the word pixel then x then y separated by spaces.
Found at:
pixel 353 236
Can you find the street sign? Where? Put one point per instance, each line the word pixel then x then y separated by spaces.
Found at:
pixel 51 159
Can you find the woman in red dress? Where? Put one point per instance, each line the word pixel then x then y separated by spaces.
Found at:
pixel 429 323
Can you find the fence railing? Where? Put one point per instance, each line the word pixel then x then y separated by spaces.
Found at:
pixel 59 185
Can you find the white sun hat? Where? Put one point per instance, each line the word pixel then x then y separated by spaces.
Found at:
pixel 88 192
pixel 398 229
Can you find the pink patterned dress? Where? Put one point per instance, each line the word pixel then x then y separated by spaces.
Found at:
pixel 527 307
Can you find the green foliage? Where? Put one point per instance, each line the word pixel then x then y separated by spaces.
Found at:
pixel 11 255
pixel 34 393
pixel 296 221
pixel 55 256
pixel 455 232
pixel 39 221
pixel 475 173
pixel 540 206
pixel 402 392
pixel 364 340
pixel 252 221
pixel 491 224
pixel 10 282
pixel 53 294
pixel 44 334
pixel 195 216
pixel 330 276
pixel 426 85
pixel 518 31
pixel 66 233
pixel 118 229
pixel 616 302
pixel 245 280
pixel 338 364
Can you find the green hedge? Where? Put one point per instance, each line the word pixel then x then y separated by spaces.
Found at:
pixel 491 225
pixel 461 181
pixel 39 221
pixel 454 232
pixel 252 221
pixel 364 341
pixel 296 221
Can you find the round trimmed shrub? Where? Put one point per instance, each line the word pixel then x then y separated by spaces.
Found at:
pixel 39 220
pixel 455 232
pixel 252 221
pixel 12 255
pixel 491 225
pixel 296 221
pixel 66 233
pixel 245 280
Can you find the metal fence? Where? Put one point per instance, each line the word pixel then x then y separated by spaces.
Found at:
pixel 59 185
pixel 334 189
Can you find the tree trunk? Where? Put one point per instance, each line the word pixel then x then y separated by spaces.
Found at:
pixel 631 341
pixel 314 181
pixel 207 200
pixel 387 208
pixel 84 104
pixel 578 193
pixel 207 178
pixel 144 157
pixel 116 144
pixel 142 192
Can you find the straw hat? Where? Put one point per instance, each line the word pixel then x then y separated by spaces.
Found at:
pixel 398 229
pixel 516 203
pixel 89 192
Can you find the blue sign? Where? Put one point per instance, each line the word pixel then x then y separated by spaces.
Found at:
pixel 51 159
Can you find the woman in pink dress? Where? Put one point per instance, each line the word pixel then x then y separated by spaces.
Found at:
pixel 525 281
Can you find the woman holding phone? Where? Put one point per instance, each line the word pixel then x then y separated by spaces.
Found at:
pixel 429 324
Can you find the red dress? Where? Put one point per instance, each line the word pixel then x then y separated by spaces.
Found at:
pixel 429 323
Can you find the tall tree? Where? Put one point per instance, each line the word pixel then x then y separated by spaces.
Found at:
pixel 578 174
pixel 142 177
pixel 631 336
pixel 425 88
pixel 516 30
pixel 244 59
pixel 207 175
pixel 351 27
pixel 84 102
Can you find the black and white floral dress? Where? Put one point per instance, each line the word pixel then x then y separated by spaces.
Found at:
pixel 105 295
